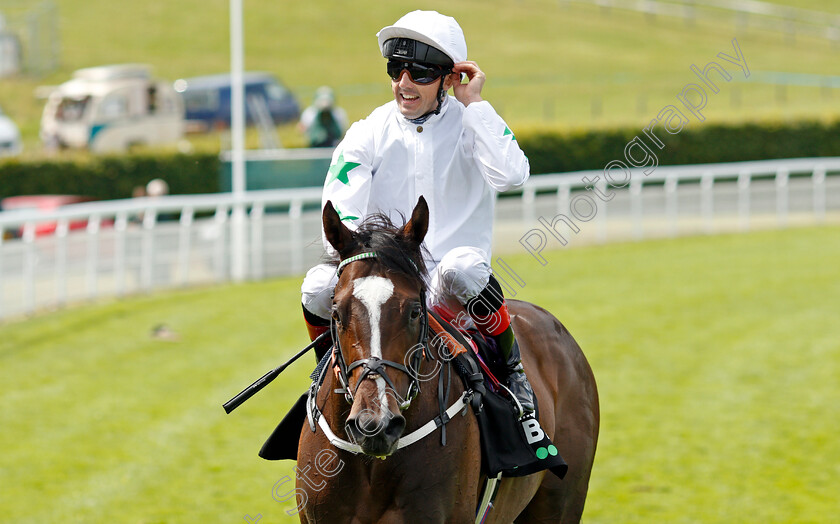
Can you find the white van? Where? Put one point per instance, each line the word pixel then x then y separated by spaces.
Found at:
pixel 111 108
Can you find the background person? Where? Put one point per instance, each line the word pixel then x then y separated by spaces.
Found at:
pixel 157 188
pixel 323 122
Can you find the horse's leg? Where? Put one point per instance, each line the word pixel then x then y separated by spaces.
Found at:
pixel 569 409
pixel 559 500
pixel 513 496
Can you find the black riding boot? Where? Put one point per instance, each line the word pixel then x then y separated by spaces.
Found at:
pixel 515 380
pixel 489 311
pixel 322 347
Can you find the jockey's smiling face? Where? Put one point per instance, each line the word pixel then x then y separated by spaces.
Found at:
pixel 415 100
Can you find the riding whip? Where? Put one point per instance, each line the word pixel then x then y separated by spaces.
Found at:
pixel 266 379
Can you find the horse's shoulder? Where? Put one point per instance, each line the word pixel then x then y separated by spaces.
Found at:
pixel 541 334
pixel 523 306
pixel 533 314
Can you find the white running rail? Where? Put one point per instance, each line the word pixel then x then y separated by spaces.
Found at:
pixel 113 248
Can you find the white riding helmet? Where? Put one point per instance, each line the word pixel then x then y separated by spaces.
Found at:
pixel 431 28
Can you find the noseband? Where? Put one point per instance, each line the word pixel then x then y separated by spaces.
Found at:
pixel 374 367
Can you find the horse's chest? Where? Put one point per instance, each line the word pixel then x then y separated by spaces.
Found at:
pixel 419 496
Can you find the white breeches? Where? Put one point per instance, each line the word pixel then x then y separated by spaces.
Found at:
pixel 459 276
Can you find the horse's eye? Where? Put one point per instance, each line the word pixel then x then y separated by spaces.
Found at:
pixel 336 317
pixel 415 311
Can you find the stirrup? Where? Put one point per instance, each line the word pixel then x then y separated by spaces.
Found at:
pixel 517 382
pixel 520 389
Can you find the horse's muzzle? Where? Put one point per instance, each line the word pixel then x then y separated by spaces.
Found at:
pixel 377 436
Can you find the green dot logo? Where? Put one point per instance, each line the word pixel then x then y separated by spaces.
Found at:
pixel 552 450
pixel 543 453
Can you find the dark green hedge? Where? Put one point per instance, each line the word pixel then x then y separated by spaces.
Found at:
pixel 553 152
pixel 110 177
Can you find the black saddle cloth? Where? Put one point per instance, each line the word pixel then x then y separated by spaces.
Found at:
pixel 511 445
pixel 283 442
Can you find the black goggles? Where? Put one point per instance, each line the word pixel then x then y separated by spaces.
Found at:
pixel 419 73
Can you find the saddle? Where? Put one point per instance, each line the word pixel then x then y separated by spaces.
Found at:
pixel 511 445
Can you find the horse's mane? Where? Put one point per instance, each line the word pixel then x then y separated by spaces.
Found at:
pixel 379 233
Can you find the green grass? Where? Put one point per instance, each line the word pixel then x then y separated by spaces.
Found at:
pixel 546 61
pixel 716 359
pixel 717 362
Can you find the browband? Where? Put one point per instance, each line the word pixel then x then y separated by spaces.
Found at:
pixel 360 256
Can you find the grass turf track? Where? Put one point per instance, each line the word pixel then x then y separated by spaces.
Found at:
pixel 717 361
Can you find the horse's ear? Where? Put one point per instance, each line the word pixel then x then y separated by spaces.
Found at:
pixel 338 235
pixel 415 229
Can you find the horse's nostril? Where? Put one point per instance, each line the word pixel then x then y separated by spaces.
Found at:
pixel 378 436
pixel 352 430
pixel 363 426
pixel 395 426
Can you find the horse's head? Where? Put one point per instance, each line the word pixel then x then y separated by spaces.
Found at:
pixel 378 320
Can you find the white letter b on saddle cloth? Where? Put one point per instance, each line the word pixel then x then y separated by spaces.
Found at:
pixel 533 431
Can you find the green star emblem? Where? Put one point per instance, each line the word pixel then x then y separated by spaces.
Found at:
pixel 509 132
pixel 339 170
pixel 344 217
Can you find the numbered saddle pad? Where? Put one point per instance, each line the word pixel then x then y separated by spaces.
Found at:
pixel 514 447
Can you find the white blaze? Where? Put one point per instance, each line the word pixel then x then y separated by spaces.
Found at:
pixel 373 292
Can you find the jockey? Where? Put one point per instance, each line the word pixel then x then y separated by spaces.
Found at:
pixel 457 152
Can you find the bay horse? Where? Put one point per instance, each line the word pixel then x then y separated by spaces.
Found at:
pixel 351 464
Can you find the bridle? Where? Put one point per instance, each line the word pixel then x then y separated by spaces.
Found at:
pixel 374 367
